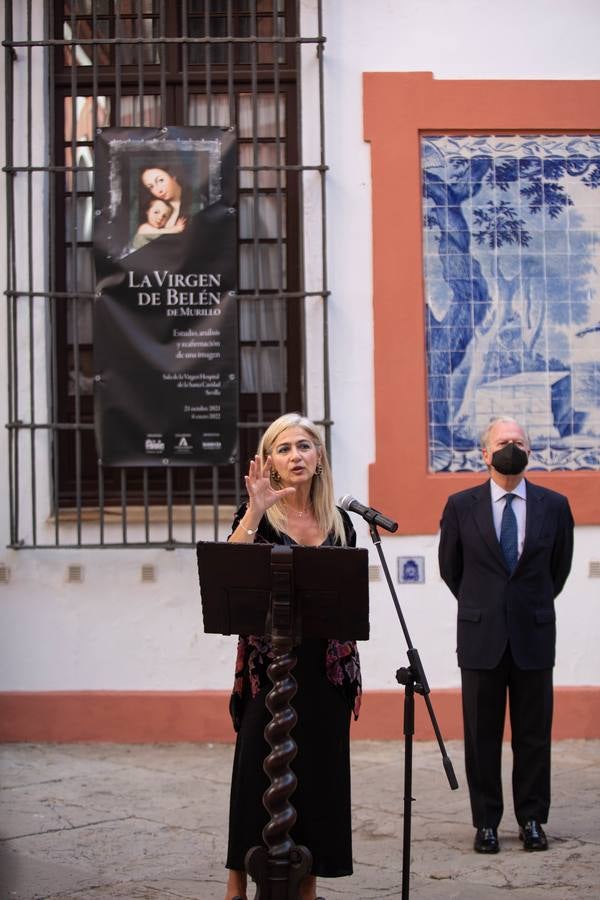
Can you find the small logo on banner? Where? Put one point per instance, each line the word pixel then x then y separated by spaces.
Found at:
pixel 183 443
pixel 154 443
pixel 209 443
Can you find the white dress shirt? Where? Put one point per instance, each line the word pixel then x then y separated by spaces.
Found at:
pixel 519 506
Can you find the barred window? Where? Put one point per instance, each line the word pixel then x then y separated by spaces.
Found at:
pixel 147 63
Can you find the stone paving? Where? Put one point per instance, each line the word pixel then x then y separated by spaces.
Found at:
pixel 96 821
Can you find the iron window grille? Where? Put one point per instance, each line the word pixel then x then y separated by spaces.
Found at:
pixel 84 65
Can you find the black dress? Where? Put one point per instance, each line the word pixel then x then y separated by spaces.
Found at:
pixel 328 677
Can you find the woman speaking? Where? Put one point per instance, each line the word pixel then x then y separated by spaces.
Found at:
pixel 290 501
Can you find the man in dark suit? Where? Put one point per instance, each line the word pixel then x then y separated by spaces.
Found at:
pixel 505 553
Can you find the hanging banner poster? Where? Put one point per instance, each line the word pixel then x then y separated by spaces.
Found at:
pixel 165 313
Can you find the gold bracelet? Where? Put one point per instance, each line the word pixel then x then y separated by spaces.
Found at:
pixel 249 530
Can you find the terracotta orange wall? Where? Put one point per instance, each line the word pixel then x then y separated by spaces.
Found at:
pixel 167 717
pixel 398 108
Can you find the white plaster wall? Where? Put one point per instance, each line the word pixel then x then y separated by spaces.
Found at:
pixel 113 632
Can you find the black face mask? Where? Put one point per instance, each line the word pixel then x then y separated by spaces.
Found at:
pixel 510 460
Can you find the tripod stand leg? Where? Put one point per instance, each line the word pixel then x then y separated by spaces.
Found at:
pixel 409 730
pixel 409 677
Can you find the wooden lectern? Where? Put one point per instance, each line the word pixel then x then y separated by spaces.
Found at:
pixel 285 593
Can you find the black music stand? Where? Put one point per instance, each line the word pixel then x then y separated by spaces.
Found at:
pixel 286 593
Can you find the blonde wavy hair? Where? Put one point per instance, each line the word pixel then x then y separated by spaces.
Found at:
pixel 327 514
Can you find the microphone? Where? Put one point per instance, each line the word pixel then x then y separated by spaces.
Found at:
pixel 369 514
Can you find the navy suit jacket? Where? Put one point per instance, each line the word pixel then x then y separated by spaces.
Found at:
pixel 496 608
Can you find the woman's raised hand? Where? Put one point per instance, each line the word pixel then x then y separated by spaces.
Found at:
pixel 261 495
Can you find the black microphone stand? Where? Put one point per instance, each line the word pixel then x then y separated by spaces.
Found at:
pixel 414 680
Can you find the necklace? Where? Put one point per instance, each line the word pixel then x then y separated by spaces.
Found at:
pixel 300 512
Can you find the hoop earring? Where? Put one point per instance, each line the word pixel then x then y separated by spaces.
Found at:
pixel 318 469
pixel 275 476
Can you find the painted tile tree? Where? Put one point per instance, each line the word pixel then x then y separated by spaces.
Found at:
pixel 512 256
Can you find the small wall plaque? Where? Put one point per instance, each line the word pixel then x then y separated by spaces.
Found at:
pixel 411 569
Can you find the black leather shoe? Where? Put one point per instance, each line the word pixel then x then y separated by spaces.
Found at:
pixel 486 841
pixel 532 835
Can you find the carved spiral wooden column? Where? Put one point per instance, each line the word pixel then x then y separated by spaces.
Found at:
pixel 279 867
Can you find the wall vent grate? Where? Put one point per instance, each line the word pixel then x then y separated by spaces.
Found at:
pixel 148 573
pixel 75 574
pixel 374 573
